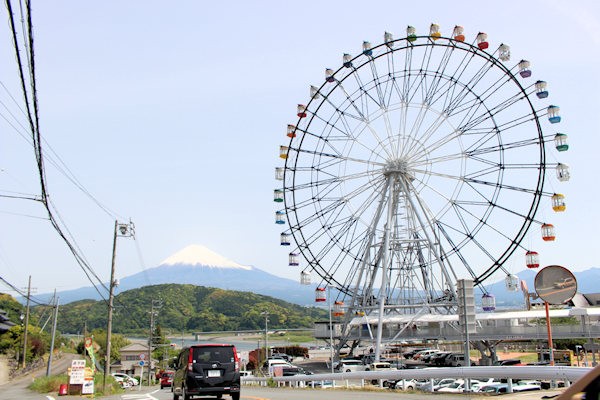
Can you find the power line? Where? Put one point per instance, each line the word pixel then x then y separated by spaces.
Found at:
pixel 24 295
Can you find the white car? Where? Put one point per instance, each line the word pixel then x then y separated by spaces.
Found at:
pixel 126 379
pixel 380 366
pixel 437 384
pixel 405 384
pixel 458 386
pixel 349 366
pixel 525 386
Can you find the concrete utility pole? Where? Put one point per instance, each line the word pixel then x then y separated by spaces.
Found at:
pixel 26 325
pixel 49 367
pixel 266 314
pixel 151 337
pixel 111 291
pixel 120 230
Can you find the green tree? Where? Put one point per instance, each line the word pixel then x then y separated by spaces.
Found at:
pixel 116 342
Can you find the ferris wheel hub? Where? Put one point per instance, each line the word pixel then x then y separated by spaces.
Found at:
pixel 398 167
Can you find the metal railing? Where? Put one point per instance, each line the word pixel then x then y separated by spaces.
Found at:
pixel 551 373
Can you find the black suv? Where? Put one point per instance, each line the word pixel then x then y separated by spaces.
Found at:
pixel 207 370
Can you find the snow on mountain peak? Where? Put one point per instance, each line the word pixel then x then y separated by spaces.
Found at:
pixel 200 255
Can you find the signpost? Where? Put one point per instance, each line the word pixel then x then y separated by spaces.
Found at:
pixel 142 362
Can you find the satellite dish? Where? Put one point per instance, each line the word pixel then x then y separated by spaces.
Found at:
pixel 555 284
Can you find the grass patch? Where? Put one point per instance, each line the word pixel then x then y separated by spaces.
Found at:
pixel 49 384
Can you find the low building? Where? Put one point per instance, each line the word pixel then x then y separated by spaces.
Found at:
pixel 132 357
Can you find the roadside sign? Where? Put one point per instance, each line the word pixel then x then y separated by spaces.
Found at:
pixel 142 356
pixel 77 372
pixel 142 363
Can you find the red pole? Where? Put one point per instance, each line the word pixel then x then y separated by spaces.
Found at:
pixel 549 328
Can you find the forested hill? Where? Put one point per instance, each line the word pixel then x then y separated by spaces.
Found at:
pixel 187 307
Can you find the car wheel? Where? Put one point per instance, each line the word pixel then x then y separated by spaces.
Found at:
pixel 162 387
pixel 235 396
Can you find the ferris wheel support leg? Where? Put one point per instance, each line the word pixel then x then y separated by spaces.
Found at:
pixel 392 199
pixel 426 231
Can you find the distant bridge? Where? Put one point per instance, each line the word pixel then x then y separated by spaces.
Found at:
pixel 275 332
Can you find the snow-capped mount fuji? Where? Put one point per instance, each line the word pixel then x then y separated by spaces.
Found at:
pixel 198 265
pixel 196 255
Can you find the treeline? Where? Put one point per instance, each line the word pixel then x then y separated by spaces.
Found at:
pixel 186 308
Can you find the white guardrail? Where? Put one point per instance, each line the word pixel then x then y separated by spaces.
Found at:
pixel 557 373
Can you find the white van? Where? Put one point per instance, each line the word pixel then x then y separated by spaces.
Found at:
pixel 349 366
pixel 276 362
pixel 456 360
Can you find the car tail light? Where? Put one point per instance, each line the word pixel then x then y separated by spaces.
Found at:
pixel 191 360
pixel 236 359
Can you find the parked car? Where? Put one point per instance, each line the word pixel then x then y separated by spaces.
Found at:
pixel 510 361
pixel 409 354
pixel 282 356
pixel 455 360
pixel 420 354
pixel 402 384
pixel 276 362
pixel 293 370
pixel 458 386
pixel 207 370
pixel 122 382
pixel 380 366
pixel 437 384
pixel 527 385
pixel 438 358
pixel 166 379
pixel 349 366
pixel 119 376
pixel 428 358
pixel 496 388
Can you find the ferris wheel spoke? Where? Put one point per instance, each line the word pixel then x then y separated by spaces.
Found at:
pixel 338 157
pixel 332 179
pixel 428 132
pixel 439 73
pixel 455 251
pixel 364 118
pixel 365 96
pixel 466 89
pixel 377 83
pixel 476 120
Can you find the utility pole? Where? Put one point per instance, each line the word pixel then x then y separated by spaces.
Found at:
pixel 151 337
pixel 26 326
pixel 49 368
pixel 150 342
pixel 266 314
pixel 120 230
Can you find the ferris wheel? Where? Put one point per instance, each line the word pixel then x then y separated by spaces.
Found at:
pixel 415 163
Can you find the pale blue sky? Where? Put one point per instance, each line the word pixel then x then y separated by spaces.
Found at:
pixel 172 115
